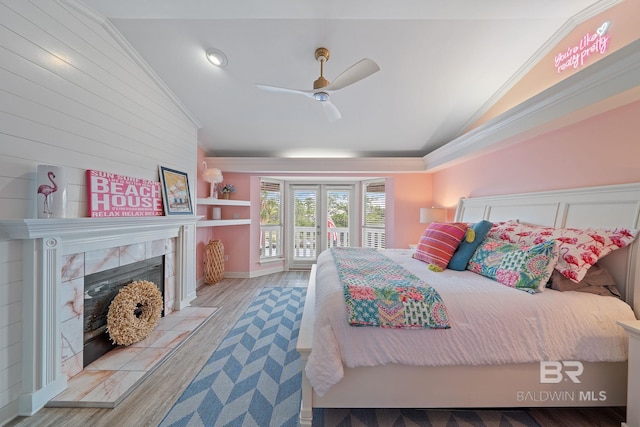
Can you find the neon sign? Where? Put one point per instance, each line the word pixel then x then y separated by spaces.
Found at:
pixel 576 56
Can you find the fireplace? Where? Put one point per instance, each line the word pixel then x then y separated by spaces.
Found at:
pixel 57 254
pixel 100 289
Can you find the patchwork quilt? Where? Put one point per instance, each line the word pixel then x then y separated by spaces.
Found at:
pixel 380 292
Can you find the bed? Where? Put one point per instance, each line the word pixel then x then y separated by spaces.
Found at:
pixel 596 375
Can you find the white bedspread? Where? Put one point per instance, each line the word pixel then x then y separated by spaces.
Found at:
pixel 490 324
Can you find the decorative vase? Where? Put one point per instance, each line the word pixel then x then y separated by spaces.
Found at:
pixel 217 213
pixel 225 195
pixel 213 190
pixel 214 262
pixel 51 193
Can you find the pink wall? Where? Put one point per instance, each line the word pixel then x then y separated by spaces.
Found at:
pixel 236 238
pixel 410 193
pixel 600 150
pixel 407 193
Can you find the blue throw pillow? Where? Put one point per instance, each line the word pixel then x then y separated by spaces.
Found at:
pixel 465 250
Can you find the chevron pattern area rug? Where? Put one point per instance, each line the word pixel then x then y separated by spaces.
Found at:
pixel 253 380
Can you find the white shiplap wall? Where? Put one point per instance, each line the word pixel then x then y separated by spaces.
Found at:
pixel 72 94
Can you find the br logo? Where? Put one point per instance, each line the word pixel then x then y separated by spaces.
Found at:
pixel 553 372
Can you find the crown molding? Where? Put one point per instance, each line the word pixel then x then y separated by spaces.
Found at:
pixel 612 75
pixel 318 165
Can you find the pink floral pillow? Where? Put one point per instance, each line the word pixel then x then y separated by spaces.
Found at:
pixel 578 248
pixel 523 267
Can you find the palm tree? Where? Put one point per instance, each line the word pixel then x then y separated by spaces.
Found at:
pixel 269 211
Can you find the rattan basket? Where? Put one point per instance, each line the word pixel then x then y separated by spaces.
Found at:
pixel 214 262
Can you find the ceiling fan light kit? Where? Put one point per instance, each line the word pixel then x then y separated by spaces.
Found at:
pixel 321 96
pixel 360 70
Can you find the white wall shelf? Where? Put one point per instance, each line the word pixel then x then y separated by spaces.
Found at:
pixel 222 202
pixel 222 222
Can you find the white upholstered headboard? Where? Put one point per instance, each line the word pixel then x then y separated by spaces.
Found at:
pixel 606 206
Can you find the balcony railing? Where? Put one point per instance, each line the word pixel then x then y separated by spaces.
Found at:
pixel 338 237
pixel 305 240
pixel 270 241
pixel 373 238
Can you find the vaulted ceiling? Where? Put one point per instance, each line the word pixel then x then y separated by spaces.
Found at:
pixel 442 63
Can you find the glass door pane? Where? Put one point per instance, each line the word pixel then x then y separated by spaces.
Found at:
pixel 320 217
pixel 338 217
pixel 305 226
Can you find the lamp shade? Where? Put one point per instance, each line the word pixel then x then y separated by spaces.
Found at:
pixel 432 214
pixel 212 175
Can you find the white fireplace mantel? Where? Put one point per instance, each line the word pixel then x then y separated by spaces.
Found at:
pixel 77 227
pixel 45 242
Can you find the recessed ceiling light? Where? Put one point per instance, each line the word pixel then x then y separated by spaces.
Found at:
pixel 217 57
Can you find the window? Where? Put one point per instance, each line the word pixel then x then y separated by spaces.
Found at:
pixel 270 218
pixel 373 214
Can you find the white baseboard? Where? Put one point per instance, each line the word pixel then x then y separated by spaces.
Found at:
pixel 252 274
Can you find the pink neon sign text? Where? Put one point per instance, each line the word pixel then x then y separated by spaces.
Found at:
pixel 577 55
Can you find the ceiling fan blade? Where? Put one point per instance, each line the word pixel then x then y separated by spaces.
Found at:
pixel 331 111
pixel 307 93
pixel 358 71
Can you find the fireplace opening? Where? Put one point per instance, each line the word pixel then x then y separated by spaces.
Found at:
pixel 100 289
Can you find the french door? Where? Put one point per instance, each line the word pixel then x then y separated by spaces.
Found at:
pixel 320 216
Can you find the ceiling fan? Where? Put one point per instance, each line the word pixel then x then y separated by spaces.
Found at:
pixel 322 87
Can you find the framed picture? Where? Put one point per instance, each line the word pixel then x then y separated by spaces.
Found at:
pixel 175 192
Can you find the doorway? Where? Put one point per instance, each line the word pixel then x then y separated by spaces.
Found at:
pixel 321 216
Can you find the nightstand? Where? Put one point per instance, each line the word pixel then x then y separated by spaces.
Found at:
pixel 633 376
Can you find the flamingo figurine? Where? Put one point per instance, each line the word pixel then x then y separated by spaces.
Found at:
pixel 47 190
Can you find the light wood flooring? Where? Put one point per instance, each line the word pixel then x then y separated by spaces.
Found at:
pixel 147 405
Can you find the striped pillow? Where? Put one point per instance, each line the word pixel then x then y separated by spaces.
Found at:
pixel 439 241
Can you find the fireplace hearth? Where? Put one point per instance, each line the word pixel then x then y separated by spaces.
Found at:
pixel 100 289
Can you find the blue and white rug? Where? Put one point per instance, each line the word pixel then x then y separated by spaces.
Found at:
pixel 253 380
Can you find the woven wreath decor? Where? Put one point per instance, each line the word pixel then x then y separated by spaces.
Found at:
pixel 134 312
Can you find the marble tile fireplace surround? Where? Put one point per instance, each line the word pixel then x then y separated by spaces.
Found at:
pixel 57 254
